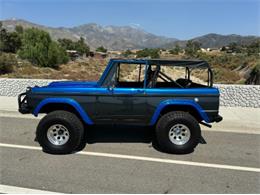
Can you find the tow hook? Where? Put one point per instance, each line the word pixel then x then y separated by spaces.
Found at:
pixel 205 124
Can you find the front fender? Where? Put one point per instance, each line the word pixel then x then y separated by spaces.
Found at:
pixel 69 101
pixel 169 102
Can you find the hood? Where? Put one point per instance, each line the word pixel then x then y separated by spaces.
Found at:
pixel 79 84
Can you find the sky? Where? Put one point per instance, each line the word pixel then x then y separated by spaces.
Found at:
pixel 182 19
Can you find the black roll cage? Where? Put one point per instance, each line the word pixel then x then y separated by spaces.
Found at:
pixel 189 64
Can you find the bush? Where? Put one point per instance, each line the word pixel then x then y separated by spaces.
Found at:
pixel 80 46
pixel 56 55
pixel 127 53
pixel 39 49
pixel 7 62
pixel 175 50
pixel 101 49
pixel 9 41
pixel 192 48
pixel 254 77
pixel 153 53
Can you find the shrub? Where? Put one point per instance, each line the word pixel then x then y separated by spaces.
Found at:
pixel 254 77
pixel 9 41
pixel 101 49
pixel 39 49
pixel 7 62
pixel 80 46
pixel 192 48
pixel 153 53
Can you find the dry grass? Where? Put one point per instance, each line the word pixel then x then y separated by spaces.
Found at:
pixel 87 69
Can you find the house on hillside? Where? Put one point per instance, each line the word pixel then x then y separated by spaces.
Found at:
pixel 213 49
pixel 114 54
pixel 73 54
pixel 203 50
pixel 98 54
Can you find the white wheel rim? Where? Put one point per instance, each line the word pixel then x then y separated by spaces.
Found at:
pixel 179 134
pixel 58 135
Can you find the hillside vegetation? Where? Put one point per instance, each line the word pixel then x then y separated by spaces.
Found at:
pixel 32 53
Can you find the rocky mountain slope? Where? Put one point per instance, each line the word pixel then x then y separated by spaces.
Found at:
pixel 111 37
pixel 127 37
pixel 213 40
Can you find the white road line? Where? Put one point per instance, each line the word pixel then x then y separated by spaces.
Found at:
pixel 149 159
pixel 6 189
pixel 247 131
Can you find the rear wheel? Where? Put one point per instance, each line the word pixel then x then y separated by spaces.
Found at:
pixel 60 132
pixel 178 132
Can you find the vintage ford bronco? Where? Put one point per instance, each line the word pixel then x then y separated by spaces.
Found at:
pixel 137 91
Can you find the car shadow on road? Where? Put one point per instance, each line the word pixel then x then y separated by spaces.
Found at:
pixel 120 134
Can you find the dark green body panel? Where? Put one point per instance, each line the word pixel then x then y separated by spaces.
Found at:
pixel 126 108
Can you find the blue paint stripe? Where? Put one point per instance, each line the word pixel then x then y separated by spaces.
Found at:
pixel 98 90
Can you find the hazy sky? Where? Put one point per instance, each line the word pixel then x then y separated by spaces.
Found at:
pixel 173 18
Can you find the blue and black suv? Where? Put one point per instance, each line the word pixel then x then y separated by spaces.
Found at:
pixel 140 91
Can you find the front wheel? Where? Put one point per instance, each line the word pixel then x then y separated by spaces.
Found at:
pixel 60 132
pixel 178 132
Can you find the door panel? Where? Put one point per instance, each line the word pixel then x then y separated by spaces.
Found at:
pixel 122 105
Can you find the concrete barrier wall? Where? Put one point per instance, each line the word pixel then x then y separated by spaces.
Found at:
pixel 231 95
pixel 239 95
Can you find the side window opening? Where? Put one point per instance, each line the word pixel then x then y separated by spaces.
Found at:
pixel 163 76
pixel 130 75
pixel 111 79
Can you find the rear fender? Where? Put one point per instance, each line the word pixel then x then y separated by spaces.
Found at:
pixel 170 102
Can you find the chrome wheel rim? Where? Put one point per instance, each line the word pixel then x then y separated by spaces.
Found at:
pixel 58 134
pixel 179 134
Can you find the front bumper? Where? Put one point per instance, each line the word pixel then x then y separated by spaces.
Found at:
pixel 22 103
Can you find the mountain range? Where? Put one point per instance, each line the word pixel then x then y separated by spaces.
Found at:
pixel 126 37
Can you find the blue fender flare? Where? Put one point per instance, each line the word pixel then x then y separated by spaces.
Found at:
pixel 68 101
pixel 169 102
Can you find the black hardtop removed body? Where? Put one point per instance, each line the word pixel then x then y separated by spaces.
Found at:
pixel 167 62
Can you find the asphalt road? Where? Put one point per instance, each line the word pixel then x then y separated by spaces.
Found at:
pixel 108 170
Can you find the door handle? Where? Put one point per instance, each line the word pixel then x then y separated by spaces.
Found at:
pixel 140 91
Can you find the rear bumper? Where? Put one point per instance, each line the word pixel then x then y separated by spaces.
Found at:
pixel 22 104
pixel 218 118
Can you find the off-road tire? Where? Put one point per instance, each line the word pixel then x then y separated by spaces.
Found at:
pixel 164 125
pixel 68 120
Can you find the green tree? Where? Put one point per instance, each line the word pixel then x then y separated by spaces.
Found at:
pixel 67 44
pixel 235 47
pixel 127 53
pixel 39 49
pixel 253 48
pixel 101 49
pixel 82 47
pixel 153 53
pixel 175 50
pixel 254 77
pixel 19 29
pixel 9 41
pixel 192 48
pixel 56 55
